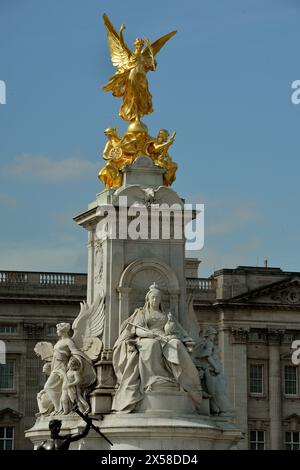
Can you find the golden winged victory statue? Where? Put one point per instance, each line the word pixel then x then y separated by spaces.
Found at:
pixel 130 83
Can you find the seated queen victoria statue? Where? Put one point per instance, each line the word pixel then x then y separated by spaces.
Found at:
pixel 151 354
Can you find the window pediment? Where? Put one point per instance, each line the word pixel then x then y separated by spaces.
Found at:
pixel 10 414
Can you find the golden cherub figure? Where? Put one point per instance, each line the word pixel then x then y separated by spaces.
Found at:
pixel 119 152
pixel 130 81
pixel 157 149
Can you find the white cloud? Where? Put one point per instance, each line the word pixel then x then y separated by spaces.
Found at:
pixel 7 201
pixel 44 169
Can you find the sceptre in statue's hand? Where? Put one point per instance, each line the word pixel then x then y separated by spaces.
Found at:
pixel 89 422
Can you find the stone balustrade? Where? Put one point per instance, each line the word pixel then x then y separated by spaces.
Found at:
pixel 200 283
pixel 37 282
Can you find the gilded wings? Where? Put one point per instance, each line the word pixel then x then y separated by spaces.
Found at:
pixel 120 52
pixel 130 80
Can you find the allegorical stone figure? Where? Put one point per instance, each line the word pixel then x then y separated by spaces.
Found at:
pixel 45 404
pixel 207 360
pixel 73 387
pixel 64 348
pixel 69 363
pixel 152 353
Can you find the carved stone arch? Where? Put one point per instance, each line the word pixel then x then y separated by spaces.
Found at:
pixel 136 280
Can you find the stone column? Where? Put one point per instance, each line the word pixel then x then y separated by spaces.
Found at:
pixel 226 353
pixel 275 399
pixel 240 385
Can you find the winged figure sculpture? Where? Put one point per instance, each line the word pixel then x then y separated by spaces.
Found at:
pixel 130 81
pixel 69 364
pixel 88 327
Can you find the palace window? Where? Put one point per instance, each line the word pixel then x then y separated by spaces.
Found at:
pixel 292 441
pixel 6 438
pixel 8 329
pixel 290 380
pixel 257 379
pixel 256 335
pixel 7 375
pixel 51 330
pixel 289 337
pixel 257 440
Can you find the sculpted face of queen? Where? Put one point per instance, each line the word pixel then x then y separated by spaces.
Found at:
pixel 155 299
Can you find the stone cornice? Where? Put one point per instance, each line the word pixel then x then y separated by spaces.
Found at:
pixel 39 300
pixel 259 306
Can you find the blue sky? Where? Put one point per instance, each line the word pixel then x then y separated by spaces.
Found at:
pixel 223 83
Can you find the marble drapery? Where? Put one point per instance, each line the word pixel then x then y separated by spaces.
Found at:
pixel 143 364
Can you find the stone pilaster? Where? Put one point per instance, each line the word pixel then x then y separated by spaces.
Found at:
pixel 275 391
pixel 240 380
pixel 34 331
pixel 225 348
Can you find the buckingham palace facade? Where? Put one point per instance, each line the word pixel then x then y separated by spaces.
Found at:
pixel 256 310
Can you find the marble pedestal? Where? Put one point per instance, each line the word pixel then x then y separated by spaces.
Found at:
pixel 165 402
pixel 146 431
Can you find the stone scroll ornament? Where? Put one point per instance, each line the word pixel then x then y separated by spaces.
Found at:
pixel 69 364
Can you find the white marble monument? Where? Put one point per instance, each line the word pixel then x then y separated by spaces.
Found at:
pixel 135 361
pixel 138 359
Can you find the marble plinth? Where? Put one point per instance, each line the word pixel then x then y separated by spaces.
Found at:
pixel 143 431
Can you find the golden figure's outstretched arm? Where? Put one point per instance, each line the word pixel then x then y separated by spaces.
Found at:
pixel 119 51
pixel 163 148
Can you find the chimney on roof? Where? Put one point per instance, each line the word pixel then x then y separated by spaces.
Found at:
pixel 265 263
